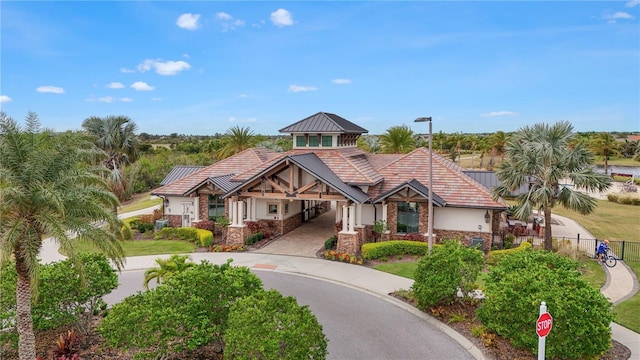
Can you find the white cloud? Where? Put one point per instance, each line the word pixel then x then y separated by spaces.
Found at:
pixel 247 120
pixel 4 99
pixel 50 89
pixel 163 68
pixel 186 56
pixel 115 85
pixel 223 16
pixel 156 99
pixel 142 86
pixel 188 21
pixel 298 88
pixel 632 3
pixel 499 113
pixel 341 81
pixel 281 17
pixel 126 99
pixel 227 21
pixel 127 71
pixel 612 17
pixel 106 99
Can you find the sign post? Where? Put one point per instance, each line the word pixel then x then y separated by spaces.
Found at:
pixel 543 327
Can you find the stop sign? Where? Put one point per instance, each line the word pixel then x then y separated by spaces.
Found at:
pixel 544 324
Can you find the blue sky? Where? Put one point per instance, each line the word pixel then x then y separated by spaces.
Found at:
pixel 202 67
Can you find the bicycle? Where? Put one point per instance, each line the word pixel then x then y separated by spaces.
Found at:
pixel 608 258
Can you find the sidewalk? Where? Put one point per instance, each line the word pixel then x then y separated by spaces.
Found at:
pixel 621 281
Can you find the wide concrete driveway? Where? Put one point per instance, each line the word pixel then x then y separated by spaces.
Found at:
pixel 305 240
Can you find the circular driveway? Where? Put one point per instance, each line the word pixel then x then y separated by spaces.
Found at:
pixel 358 324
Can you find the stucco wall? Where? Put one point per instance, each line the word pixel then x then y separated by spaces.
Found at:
pixel 460 219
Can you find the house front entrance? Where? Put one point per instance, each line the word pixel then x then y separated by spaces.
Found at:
pixel 306 239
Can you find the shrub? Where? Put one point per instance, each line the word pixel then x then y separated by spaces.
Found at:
pixel 226 248
pixel 449 268
pixel 254 238
pixel 64 296
pixel 507 243
pixel 625 200
pixel 267 325
pixel 394 248
pixel 253 226
pixel 205 238
pixel 181 314
pixel 496 255
pixel 331 243
pixel 182 233
pixel 517 285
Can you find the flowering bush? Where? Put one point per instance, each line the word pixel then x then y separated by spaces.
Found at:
pixel 348 258
pixel 227 248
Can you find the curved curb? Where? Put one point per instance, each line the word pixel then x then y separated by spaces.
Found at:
pixel 456 336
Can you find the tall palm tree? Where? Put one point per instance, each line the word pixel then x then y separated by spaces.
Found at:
pixel 541 156
pixel 48 188
pixel 606 145
pixel 115 135
pixel 473 141
pixel 397 140
pixel 497 141
pixel 167 268
pixel 235 140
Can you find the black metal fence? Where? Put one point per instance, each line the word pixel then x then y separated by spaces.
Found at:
pixel 623 250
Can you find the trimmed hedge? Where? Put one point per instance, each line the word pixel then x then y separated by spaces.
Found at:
pixel 199 237
pixel 497 255
pixel 624 199
pixel 392 248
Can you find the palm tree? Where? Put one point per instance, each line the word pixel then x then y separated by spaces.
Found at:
pixel 473 140
pixel 167 268
pixel 497 142
pixel 235 140
pixel 48 188
pixel 115 135
pixel 541 156
pixel 606 145
pixel 397 140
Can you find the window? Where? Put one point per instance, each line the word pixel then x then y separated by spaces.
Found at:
pixel 216 206
pixel 313 140
pixel 408 217
pixel 272 209
pixel 300 141
pixel 327 141
pixel 286 208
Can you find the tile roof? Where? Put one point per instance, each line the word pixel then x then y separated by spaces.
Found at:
pixel 315 166
pixel 449 182
pixel 242 161
pixel 416 186
pixel 324 123
pixel 178 172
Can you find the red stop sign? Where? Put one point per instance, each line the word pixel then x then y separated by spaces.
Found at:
pixel 544 324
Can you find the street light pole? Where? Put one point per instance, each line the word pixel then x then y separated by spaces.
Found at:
pixel 430 218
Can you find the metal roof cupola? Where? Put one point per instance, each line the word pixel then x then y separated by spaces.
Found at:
pixel 324 130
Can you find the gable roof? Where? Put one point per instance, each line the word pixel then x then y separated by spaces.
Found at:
pixel 178 172
pixel 324 123
pixel 222 182
pixel 312 164
pixel 416 186
pixel 239 162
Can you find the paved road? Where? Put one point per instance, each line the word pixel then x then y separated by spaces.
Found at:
pixel 359 325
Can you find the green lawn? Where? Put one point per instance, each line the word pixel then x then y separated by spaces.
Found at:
pixel 609 220
pixel 400 268
pixel 144 202
pixel 592 272
pixel 627 313
pixel 146 247
pixel 599 160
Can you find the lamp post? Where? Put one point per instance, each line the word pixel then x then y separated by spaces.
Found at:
pixel 430 218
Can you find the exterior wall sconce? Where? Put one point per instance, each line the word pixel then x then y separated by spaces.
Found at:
pixel 487 217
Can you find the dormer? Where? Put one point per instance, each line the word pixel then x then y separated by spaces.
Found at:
pixel 324 131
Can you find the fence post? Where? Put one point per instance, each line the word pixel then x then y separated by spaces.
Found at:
pixel 622 251
pixel 595 249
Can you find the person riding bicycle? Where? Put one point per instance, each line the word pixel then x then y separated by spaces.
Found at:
pixel 602 249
